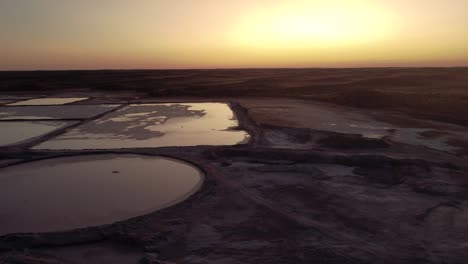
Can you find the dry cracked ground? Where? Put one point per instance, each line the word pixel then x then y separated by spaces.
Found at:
pixel 316 183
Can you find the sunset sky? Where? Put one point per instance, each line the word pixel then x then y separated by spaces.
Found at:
pixel 137 34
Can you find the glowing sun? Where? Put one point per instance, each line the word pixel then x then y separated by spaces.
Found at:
pixel 313 23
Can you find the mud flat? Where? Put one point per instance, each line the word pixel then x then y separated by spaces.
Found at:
pixel 299 191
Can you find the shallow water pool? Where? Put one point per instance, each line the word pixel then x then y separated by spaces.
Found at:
pixel 12 133
pixel 75 192
pixel 50 101
pixel 155 125
pixel 54 111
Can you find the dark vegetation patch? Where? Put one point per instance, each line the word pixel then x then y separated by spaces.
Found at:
pixel 352 142
pixel 389 176
pixel 433 134
pixel 462 144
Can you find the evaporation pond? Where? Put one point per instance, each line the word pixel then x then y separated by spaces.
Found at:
pixel 54 111
pixel 155 125
pixel 50 101
pixel 81 191
pixel 12 133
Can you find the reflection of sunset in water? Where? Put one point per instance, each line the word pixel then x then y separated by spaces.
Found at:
pixel 155 125
pixel 90 190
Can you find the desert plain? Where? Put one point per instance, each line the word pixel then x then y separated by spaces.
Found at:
pixel 339 166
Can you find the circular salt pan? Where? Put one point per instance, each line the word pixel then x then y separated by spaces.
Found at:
pixel 74 192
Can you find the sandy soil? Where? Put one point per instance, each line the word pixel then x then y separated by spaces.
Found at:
pixel 296 193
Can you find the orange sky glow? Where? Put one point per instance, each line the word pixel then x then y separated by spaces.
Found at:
pixel 162 34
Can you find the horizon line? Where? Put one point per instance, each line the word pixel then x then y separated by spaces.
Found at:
pixel 240 68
